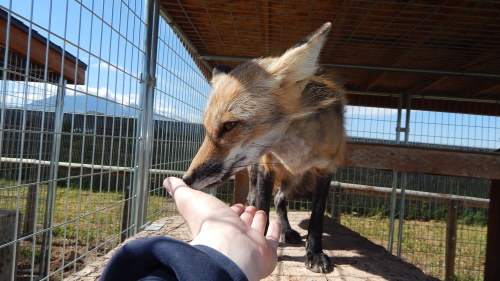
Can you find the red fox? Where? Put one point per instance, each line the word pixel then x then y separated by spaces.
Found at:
pixel 285 119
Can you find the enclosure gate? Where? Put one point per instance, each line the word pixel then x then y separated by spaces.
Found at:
pixel 88 132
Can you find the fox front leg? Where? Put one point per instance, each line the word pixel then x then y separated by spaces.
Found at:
pixel 261 188
pixel 290 236
pixel 316 260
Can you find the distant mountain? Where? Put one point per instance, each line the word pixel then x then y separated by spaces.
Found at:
pixel 94 105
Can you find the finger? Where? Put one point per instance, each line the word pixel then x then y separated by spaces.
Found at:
pixel 193 205
pixel 171 184
pixel 273 234
pixel 238 209
pixel 259 221
pixel 248 214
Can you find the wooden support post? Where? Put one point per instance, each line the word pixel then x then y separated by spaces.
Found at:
pixel 125 225
pixel 492 264
pixel 8 260
pixel 29 218
pixel 336 193
pixel 451 240
pixel 241 185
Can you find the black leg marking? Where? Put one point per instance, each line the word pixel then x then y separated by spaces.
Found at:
pixel 252 189
pixel 316 260
pixel 261 189
pixel 290 236
pixel 264 186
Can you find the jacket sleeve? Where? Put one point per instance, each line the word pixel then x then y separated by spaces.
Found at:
pixel 166 259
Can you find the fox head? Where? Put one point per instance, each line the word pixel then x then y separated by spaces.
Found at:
pixel 250 107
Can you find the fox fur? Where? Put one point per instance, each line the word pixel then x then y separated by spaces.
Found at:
pixel 282 116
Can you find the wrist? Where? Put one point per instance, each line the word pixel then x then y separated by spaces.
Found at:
pixel 242 257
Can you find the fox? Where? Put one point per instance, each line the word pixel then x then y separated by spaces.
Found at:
pixel 282 118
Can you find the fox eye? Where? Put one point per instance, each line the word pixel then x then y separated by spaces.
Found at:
pixel 228 126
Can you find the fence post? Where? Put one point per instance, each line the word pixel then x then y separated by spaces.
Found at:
pixel 336 195
pixel 144 145
pixel 10 221
pixel 125 225
pixel 241 185
pixel 451 239
pixel 52 185
pixel 491 268
pixel 392 216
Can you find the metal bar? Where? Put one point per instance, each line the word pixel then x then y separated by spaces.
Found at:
pixel 403 178
pixel 183 37
pixel 430 97
pixel 451 240
pixel 145 122
pixel 2 117
pixel 372 67
pixel 392 216
pixel 51 188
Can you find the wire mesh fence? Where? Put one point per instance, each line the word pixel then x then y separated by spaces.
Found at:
pixel 75 113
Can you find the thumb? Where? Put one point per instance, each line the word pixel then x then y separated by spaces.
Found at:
pixel 273 234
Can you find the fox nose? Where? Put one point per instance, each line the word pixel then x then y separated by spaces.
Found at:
pixel 188 179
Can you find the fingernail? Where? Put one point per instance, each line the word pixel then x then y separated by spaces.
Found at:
pixel 167 185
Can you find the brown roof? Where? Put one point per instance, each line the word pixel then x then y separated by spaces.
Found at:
pixel 18 43
pixel 444 49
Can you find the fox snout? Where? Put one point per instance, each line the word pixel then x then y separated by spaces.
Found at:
pixel 201 176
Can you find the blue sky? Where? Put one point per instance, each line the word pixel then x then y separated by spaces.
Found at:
pixel 107 35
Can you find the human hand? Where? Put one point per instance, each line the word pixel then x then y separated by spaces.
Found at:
pixel 236 231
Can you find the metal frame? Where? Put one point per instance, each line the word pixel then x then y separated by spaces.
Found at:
pixel 145 122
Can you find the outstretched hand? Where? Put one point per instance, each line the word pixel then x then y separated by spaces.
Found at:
pixel 236 231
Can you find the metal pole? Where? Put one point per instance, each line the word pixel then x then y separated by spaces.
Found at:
pixel 371 67
pixel 394 181
pixel 403 178
pixel 145 122
pixel 52 185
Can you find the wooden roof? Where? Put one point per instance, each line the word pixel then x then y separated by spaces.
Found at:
pixel 18 44
pixel 449 50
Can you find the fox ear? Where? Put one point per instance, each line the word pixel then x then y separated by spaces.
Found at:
pixel 219 71
pixel 300 62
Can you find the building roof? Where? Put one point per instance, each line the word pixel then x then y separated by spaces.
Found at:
pixel 18 43
pixel 447 52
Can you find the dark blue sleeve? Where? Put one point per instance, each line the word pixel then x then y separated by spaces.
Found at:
pixel 166 259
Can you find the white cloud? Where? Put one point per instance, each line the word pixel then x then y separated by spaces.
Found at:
pixel 41 96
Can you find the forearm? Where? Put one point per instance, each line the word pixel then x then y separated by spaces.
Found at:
pixel 169 259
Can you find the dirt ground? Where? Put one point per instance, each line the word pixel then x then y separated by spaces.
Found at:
pixel 355 257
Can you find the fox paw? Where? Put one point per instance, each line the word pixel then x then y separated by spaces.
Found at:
pixel 292 237
pixel 318 262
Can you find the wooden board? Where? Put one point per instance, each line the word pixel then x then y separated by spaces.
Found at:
pixel 424 160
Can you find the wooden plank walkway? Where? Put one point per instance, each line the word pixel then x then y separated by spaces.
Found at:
pixel 355 257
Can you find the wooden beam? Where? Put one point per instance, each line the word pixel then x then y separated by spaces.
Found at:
pixel 491 266
pixel 411 195
pixel 428 104
pixel 424 160
pixel 422 84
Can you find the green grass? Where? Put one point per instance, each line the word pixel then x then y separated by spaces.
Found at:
pixel 424 244
pixel 89 219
